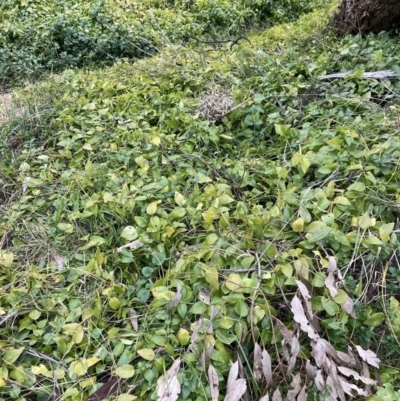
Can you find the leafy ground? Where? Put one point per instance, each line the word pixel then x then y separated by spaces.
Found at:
pixel 253 254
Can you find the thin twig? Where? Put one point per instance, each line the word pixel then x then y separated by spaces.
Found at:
pixel 32 352
pixel 9 316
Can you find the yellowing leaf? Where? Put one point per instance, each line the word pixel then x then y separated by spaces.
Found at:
pixel 6 259
pixel 2 382
pixel 142 162
pixel 126 397
pixel 39 370
pixel 84 364
pixel 114 303
pixel 152 207
pixel 179 199
pixel 341 200
pixel 211 276
pixel 75 330
pixel 125 371
pixel 233 282
pixel 147 353
pixel 298 225
pixel 224 199
pixel 385 230
pixel 183 336
pixel 305 164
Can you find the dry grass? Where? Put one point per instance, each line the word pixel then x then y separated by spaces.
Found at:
pixel 7 108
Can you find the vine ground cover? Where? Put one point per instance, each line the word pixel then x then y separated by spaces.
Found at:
pixel 142 242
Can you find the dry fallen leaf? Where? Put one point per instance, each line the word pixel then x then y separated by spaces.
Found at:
pixel 343 358
pixel 350 372
pixel 168 386
pixel 235 387
pixel 319 381
pixel 130 245
pixel 206 355
pixel 330 284
pixel 59 260
pixel 106 390
pixel 266 367
pixel 265 398
pixel 277 396
pixel 285 332
pixel 175 299
pixel 311 370
pixel 133 319
pixel 213 380
pixel 348 307
pixel 296 388
pixel 257 366
pixel 300 317
pixel 303 394
pixel 332 369
pixel 348 388
pixel 368 356
pixel 294 351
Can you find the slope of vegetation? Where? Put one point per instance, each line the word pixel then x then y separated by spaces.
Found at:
pixel 142 241
pixel 38 36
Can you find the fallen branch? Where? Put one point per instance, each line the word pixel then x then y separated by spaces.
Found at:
pixel 367 75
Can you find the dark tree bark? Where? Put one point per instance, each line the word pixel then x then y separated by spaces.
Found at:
pixel 364 16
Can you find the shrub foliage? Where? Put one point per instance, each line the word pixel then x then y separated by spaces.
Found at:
pixel 135 234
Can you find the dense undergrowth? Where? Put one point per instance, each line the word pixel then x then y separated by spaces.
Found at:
pixel 38 37
pixel 134 233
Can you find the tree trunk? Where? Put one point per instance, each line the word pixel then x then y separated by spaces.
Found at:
pixel 364 16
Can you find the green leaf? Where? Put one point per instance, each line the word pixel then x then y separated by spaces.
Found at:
pixel 340 297
pixel 125 371
pixel 318 280
pixel 129 233
pixel 225 337
pixel 330 306
pixel 357 186
pixel 94 241
pixel 35 314
pixel 366 222
pixel 375 320
pixel 241 308
pixel 12 354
